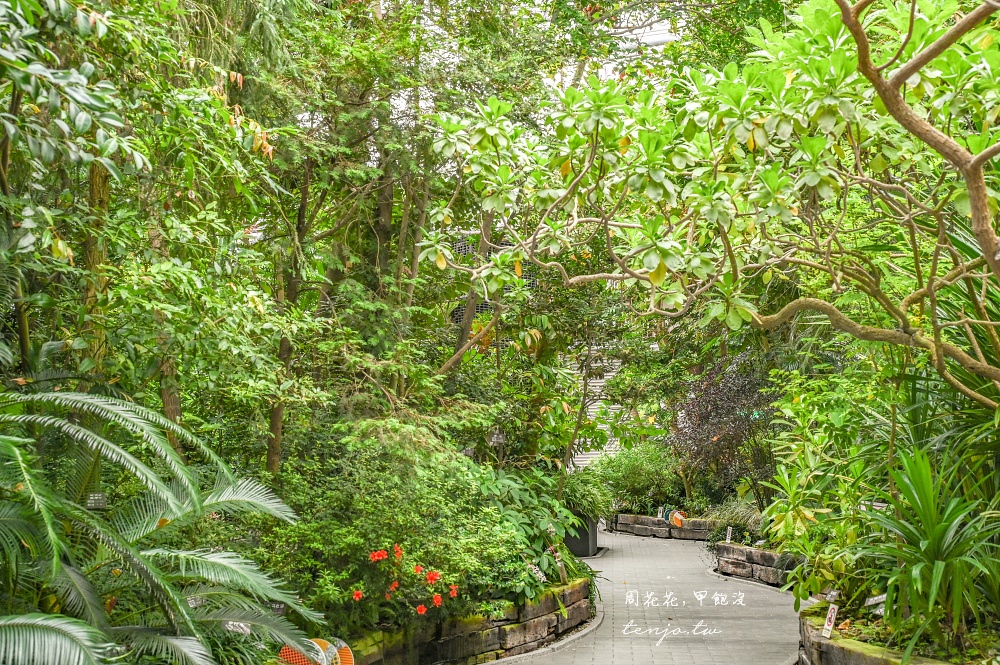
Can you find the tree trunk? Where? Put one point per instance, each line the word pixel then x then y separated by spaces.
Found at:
pixel 383 223
pixel 289 285
pixel 96 257
pixel 170 387
pixel 472 298
pixel 418 236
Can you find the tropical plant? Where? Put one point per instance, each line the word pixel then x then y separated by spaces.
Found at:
pixel 84 580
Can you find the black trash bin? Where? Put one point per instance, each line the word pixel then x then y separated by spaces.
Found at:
pixel 585 542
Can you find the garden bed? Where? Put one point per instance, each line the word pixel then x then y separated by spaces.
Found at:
pixel 641 525
pixel 479 639
pixel 814 649
pixel 752 563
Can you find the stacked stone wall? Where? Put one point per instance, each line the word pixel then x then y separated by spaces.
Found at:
pixel 478 639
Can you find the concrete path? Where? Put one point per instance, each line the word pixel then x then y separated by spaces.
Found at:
pixel 653 616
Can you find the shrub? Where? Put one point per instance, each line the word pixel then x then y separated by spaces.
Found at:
pixel 585 493
pixel 640 478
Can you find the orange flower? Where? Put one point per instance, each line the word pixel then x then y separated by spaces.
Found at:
pixel 394 585
pixel 418 569
pixel 437 600
pixel 388 596
pixel 378 556
pixel 433 577
pixel 398 551
pixel 421 609
pixel 358 595
pixel 454 590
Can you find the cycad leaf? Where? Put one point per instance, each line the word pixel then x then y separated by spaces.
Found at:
pixel 79 597
pixel 229 570
pixel 35 489
pixel 106 448
pixel 163 647
pixel 260 621
pixel 247 494
pixel 17 531
pixel 47 639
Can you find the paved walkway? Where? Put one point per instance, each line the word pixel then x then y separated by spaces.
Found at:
pixel 734 623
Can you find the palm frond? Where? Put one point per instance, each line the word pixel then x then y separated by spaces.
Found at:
pixel 247 495
pixel 106 448
pixel 17 531
pixel 79 597
pixel 155 581
pixel 230 570
pixel 34 487
pixel 46 639
pixel 139 517
pixel 137 420
pixel 169 648
pixel 260 621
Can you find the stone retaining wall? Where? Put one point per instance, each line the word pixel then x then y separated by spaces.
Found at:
pixel 814 649
pixel 477 639
pixel 752 563
pixel 640 525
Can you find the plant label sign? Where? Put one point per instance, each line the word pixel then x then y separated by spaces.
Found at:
pixel 875 600
pixel 832 596
pixel 831 618
pixel 729 534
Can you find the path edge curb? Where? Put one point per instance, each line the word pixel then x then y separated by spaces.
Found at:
pixel 594 624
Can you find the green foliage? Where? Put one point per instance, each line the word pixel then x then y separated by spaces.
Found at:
pixel 585 493
pixel 641 478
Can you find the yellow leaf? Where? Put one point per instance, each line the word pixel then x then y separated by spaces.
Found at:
pixel 750 142
pixel 986 41
pixel 789 76
pixel 658 276
pixel 566 167
pixel 623 144
pixel 467 169
pixel 517 268
pixel 440 261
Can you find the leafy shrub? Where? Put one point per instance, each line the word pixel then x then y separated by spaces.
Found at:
pixel 382 483
pixel 640 478
pixel 739 514
pixel 585 493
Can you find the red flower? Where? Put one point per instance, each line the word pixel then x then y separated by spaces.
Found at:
pixel 418 569
pixel 398 550
pixel 379 555
pixel 454 590
pixel 358 595
pixel 433 577
pixel 437 600
pixel 394 585
pixel 421 609
pixel 388 596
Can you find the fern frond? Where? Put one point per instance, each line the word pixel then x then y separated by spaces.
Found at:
pixel 139 517
pixel 46 639
pixel 17 531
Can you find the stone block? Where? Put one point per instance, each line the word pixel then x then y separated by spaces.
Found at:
pixel 650 521
pixel 507 615
pixel 704 525
pixel 762 557
pixel 576 614
pixel 690 534
pixel 546 603
pixel 574 592
pixel 659 532
pixel 462 646
pixel 768 575
pixel 530 646
pixel 462 625
pixel 626 519
pixel 733 567
pixel 532 630
pixel 731 551
pixel 642 530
